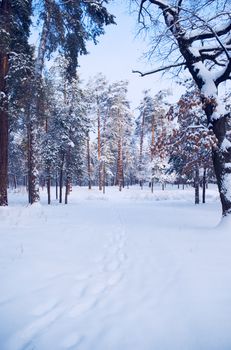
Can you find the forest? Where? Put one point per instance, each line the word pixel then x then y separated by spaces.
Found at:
pixel 115 211
pixel 57 131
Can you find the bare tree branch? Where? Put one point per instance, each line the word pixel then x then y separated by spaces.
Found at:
pixel 159 69
pixel 210 35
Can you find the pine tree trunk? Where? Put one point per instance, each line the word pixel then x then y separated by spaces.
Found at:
pixel 152 186
pixel 33 117
pixel 104 177
pixel 25 182
pixel 5 6
pixel 141 149
pixel 153 139
pixel 67 189
pixel 99 151
pixel 197 185
pixel 61 185
pixel 33 179
pixel 15 181
pixel 39 64
pixel 56 186
pixel 3 152
pixel 48 186
pixel 61 178
pixel 119 180
pixel 204 185
pixel 88 162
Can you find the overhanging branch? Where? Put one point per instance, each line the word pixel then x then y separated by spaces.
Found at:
pixel 159 69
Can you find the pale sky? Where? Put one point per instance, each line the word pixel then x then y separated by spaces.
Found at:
pixel 119 52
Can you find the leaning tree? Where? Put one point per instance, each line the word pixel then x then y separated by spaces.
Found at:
pixel 196 35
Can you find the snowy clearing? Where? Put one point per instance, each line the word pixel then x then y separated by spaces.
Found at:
pixel 120 271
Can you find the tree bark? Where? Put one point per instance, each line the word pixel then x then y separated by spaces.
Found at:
pixel 56 186
pixel 3 150
pixel 104 176
pixel 222 168
pixel 15 181
pixel 197 185
pixel 61 185
pixel 119 180
pixel 221 155
pixel 5 7
pixel 48 186
pixel 67 186
pixel 33 180
pixel 33 118
pixel 204 185
pixel 61 179
pixel 153 138
pixel 141 148
pixel 99 149
pixel 88 162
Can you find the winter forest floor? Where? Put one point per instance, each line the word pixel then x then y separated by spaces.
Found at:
pixel 120 271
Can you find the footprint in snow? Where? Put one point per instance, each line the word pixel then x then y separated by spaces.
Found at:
pixel 115 279
pixel 82 307
pixel 25 336
pixel 44 308
pixel 71 341
pixel 82 276
pixel 78 290
pixel 97 285
pixel 112 266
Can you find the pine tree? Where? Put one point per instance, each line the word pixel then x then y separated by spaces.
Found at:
pixel 66 26
pixel 120 125
pixel 98 87
pixel 64 142
pixel 14 32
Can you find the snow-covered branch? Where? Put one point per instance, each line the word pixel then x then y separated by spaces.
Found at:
pixel 142 74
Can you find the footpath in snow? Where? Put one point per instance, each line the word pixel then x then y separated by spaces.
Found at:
pixel 120 271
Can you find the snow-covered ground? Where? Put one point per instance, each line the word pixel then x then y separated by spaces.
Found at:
pixel 120 271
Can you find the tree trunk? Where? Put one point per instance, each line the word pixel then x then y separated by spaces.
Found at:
pixel 153 138
pixel 4 128
pixel 221 156
pixel 197 185
pixel 33 180
pixel 204 185
pixel 61 179
pixel 15 181
pixel 104 177
pixel 152 185
pixel 61 185
pixel 119 180
pixel 3 151
pixel 67 188
pixel 56 186
pixel 99 150
pixel 141 149
pixel 88 162
pixel 48 186
pixel 33 116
